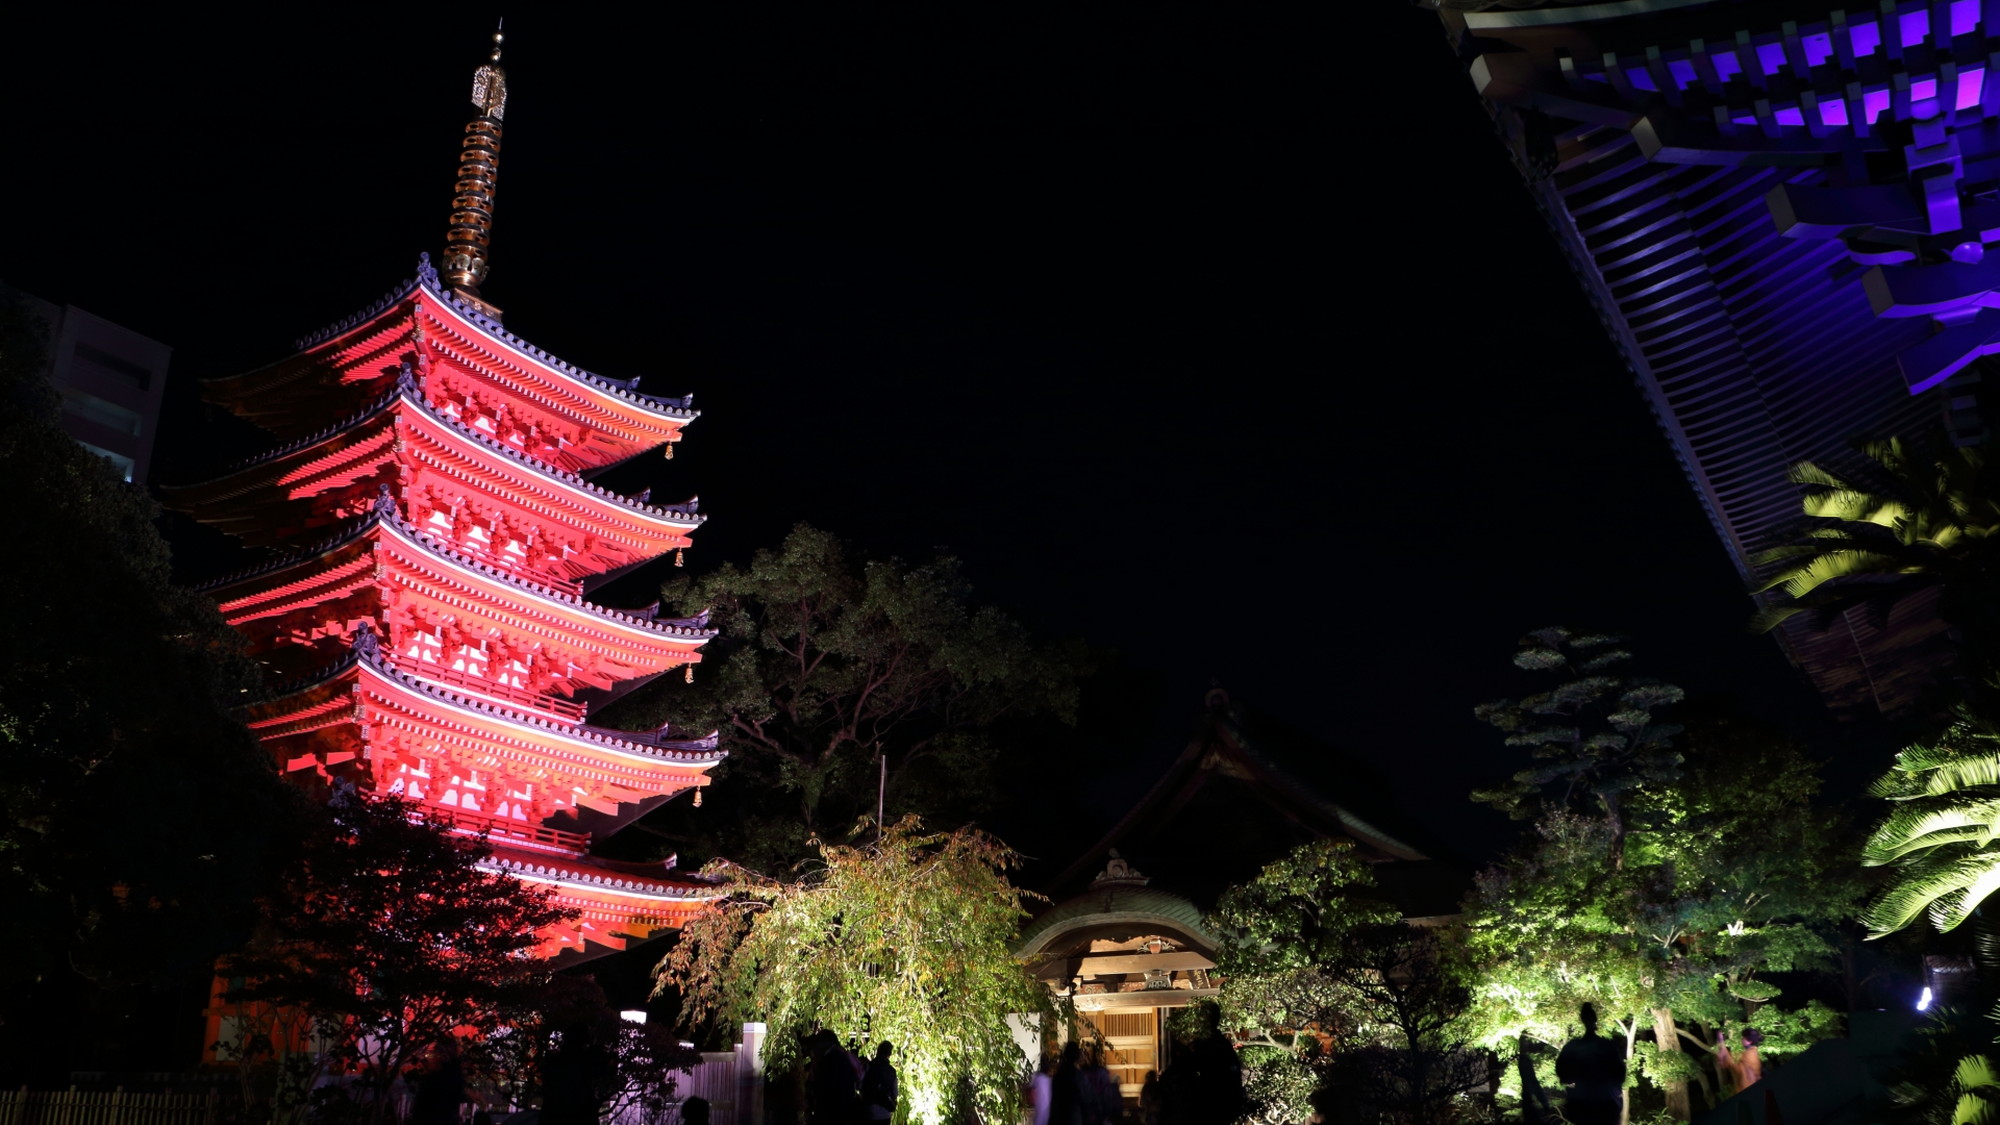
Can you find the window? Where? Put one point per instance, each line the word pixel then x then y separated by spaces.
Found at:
pixel 88 406
pixel 104 363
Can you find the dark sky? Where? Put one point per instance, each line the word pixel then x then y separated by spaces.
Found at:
pixel 1215 335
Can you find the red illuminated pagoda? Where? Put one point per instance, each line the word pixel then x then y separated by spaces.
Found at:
pixel 423 615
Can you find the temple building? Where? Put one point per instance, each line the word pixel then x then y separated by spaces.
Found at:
pixel 432 533
pixel 1781 211
pixel 1124 942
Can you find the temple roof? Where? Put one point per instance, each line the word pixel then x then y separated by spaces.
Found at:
pixel 366 652
pixel 657 880
pixel 1108 905
pixel 406 390
pixel 384 515
pixel 1237 797
pixel 681 407
pixel 1700 166
pixel 1222 748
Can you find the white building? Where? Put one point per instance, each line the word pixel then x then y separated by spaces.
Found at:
pixel 110 379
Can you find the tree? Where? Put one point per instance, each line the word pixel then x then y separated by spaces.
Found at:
pixel 639 1063
pixel 1593 736
pixel 1674 921
pixel 1312 957
pixel 905 939
pixel 391 938
pixel 826 666
pixel 116 740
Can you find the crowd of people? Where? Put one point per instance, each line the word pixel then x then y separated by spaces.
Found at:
pixel 841 1089
pixel 1073 1087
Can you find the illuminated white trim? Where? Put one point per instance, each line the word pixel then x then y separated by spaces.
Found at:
pixel 628 398
pixel 597 500
pixel 607 746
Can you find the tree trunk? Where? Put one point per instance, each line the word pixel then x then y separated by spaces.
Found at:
pixel 1667 1037
pixel 1625 1101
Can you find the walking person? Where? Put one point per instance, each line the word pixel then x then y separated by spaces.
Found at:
pixel 878 1086
pixel 1041 1088
pixel 1592 1071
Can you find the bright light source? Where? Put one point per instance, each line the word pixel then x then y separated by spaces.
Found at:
pixel 633 1015
pixel 1924 1001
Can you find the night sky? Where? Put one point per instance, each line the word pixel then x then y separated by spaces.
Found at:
pixel 1218 336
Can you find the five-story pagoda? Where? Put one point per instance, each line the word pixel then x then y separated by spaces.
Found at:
pixel 423 616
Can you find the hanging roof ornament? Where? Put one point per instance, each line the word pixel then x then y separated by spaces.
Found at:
pixel 468 241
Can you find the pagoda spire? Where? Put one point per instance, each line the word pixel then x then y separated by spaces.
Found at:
pixel 467 242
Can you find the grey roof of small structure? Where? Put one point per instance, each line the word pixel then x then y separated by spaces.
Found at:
pixel 1115 903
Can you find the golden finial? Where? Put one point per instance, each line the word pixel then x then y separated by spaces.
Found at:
pixel 468 241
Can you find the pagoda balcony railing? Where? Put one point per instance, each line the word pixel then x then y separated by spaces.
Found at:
pixel 500 830
pixel 491 689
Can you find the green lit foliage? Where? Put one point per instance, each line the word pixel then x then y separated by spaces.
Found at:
pixel 904 939
pixel 1311 956
pixel 391 938
pixel 1669 909
pixel 1593 735
pixel 1940 836
pixel 1913 519
pixel 1287 931
pixel 1279 1083
pixel 826 663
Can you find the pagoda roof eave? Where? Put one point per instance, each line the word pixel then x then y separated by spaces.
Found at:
pixel 583 874
pixel 686 511
pixel 371 661
pixel 414 536
pixel 679 407
pixel 683 516
pixel 367 659
pixel 352 422
pixel 427 281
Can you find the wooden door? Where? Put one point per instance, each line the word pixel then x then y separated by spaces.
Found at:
pixel 1131 1046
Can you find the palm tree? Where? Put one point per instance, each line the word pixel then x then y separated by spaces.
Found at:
pixel 1942 836
pixel 1915 519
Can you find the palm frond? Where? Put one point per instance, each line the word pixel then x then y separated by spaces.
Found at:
pixel 1909 831
pixel 1854 504
pixel 1973 1079
pixel 1827 566
pixel 1944 888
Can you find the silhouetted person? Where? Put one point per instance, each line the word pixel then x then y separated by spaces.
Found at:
pixel 440 1088
pixel 831 1098
pixel 878 1086
pixel 1102 1103
pixel 575 1077
pixel 694 1111
pixel 1204 1086
pixel 1066 1089
pixel 1149 1099
pixel 1592 1070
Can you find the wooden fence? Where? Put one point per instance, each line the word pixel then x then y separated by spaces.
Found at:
pixel 100 1107
pixel 731 1081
